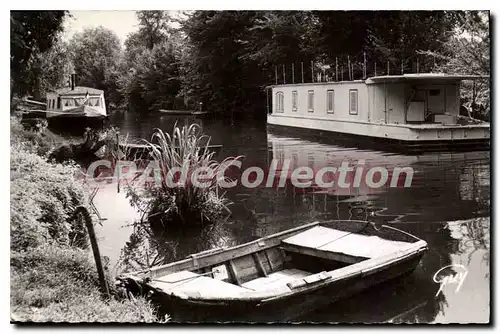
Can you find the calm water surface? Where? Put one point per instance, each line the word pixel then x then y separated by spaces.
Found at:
pixel 448 205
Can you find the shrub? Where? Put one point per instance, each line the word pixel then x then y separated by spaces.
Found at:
pixel 185 149
pixel 43 198
pixel 53 283
pixel 34 136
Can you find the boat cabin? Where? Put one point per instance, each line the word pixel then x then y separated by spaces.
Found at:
pixel 69 98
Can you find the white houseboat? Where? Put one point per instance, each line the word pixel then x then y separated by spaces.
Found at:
pixel 76 101
pixel 74 108
pixel 410 110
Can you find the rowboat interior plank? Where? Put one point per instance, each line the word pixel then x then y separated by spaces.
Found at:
pixel 185 281
pixel 259 265
pixel 276 279
pixel 315 237
pixel 364 246
pixel 326 240
pixel 233 272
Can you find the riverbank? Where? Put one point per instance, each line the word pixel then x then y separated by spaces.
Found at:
pixel 53 274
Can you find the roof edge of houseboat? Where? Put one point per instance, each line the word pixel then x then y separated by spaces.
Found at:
pixel 424 76
pixel 78 90
pixel 393 78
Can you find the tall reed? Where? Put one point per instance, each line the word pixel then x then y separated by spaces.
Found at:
pixel 186 149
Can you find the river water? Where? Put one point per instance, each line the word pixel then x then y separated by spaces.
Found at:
pixel 447 204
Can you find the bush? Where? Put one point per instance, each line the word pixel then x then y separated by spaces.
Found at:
pixel 51 278
pixel 43 199
pixel 33 136
pixel 52 283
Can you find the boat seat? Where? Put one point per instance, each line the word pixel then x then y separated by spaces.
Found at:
pixel 276 279
pixel 341 246
pixel 187 281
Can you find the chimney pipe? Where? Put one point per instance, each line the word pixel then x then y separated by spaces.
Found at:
pixel 73 78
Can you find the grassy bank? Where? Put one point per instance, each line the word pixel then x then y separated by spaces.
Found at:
pixel 53 275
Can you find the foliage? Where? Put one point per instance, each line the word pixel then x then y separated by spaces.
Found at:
pixel 52 278
pixel 153 26
pixel 33 136
pixel 154 82
pixel 96 55
pixel 151 72
pixel 467 51
pixel 182 203
pixel 31 33
pixel 51 69
pixel 43 198
pixel 54 283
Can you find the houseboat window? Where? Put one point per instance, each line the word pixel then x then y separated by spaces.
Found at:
pixel 310 101
pixel 279 102
pixel 58 102
pixel 434 92
pixel 329 101
pixel 97 102
pixel 294 100
pixel 353 102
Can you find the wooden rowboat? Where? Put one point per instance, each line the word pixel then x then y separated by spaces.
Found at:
pixel 282 276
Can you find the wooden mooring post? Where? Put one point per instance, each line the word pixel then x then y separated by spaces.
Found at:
pixel 312 71
pixel 336 69
pixel 364 65
pixel 95 248
pixel 302 70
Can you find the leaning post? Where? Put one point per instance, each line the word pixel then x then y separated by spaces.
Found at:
pixel 95 249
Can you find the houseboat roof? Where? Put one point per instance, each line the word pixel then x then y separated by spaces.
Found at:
pixel 395 78
pixel 78 90
pixel 423 76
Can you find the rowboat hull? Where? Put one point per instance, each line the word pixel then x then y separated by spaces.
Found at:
pixel 282 276
pixel 281 310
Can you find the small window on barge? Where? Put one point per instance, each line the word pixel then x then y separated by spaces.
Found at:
pixel 329 101
pixel 279 102
pixel 310 101
pixel 353 101
pixel 294 100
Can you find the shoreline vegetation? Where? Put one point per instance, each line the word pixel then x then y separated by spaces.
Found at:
pixel 184 151
pixel 53 274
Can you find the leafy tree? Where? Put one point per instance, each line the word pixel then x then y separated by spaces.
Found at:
pixel 153 26
pixel 467 51
pixel 96 54
pixel 151 78
pixel 31 33
pixel 158 77
pixel 51 69
pixel 396 37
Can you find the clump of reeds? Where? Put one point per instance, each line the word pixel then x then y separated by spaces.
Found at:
pixel 182 203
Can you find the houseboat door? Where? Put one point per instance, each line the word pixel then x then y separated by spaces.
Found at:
pixel 435 100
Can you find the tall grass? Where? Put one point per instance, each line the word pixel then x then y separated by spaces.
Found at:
pixel 187 149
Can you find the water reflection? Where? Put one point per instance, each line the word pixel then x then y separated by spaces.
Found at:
pixel 447 205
